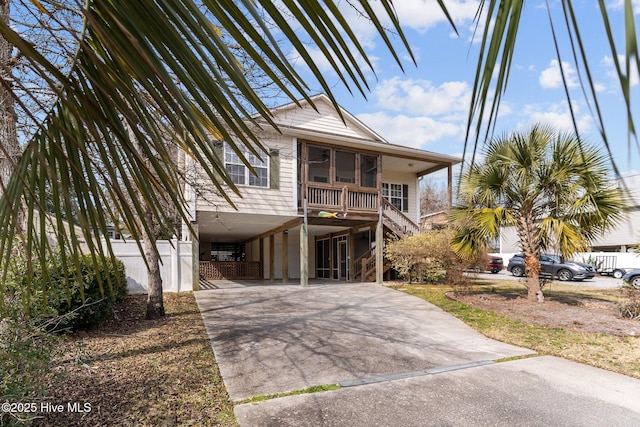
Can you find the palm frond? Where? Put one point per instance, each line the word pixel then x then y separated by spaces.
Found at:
pixel 151 68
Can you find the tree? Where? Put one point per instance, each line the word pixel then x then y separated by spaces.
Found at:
pixel 434 197
pixel 554 188
pixel 499 26
pixel 173 51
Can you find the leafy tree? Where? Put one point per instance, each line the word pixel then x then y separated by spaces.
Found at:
pixel 553 188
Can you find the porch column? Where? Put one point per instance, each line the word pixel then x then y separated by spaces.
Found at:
pixel 261 259
pixel 450 184
pixel 304 250
pixel 195 258
pixel 379 250
pixel 272 250
pixel 352 251
pixel 285 256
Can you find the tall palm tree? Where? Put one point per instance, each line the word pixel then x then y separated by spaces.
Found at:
pixel 552 187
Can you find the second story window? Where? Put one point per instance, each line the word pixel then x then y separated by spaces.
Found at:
pixel 240 173
pixel 345 166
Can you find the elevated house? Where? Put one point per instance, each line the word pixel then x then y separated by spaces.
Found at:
pixel 321 197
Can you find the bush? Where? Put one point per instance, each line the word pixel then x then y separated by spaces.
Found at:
pixel 75 304
pixel 103 284
pixel 428 257
pixel 630 309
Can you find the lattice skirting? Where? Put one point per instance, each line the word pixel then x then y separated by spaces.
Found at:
pixel 218 270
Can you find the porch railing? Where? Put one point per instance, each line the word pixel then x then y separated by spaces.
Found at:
pixel 342 199
pixel 397 221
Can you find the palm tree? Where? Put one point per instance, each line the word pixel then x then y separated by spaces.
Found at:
pixel 132 60
pixel 552 187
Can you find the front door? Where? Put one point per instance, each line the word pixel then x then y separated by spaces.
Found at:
pixel 343 260
pixel 340 265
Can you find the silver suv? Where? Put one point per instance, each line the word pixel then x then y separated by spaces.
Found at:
pixel 552 266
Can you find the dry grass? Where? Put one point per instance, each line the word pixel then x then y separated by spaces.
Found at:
pixel 143 373
pixel 577 325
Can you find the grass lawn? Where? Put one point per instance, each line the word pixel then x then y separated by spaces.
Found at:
pixel 615 353
pixel 148 373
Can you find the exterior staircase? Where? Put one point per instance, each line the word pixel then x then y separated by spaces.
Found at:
pixel 396 223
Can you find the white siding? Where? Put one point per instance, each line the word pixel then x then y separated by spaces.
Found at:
pixel 256 199
pixel 395 177
pixel 325 120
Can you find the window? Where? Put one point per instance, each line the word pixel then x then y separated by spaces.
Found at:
pixel 240 174
pixel 345 166
pixel 397 195
pixel 227 252
pixel 368 171
pixel 319 164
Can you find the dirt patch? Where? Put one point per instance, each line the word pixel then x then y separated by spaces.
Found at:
pixel 571 313
pixel 132 371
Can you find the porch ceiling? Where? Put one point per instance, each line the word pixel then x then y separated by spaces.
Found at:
pixel 231 227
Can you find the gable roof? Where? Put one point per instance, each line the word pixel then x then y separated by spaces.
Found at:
pixel 321 122
pixel 322 117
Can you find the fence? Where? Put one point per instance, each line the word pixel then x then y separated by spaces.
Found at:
pixel 176 266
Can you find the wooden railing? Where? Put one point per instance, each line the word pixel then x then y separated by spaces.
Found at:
pixel 398 222
pixel 217 270
pixel 343 199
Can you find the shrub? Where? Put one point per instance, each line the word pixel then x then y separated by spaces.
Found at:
pixel 75 304
pixel 630 309
pixel 428 257
pixel 103 284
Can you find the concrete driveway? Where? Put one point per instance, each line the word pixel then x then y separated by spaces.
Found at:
pixel 400 361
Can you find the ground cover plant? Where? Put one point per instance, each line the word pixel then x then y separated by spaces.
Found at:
pixel 576 323
pixel 141 372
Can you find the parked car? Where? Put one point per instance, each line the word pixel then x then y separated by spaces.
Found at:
pixel 495 264
pixel 552 266
pixel 632 278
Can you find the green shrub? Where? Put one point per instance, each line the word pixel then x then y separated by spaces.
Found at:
pixel 73 303
pixel 103 284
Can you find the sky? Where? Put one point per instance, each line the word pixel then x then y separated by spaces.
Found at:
pixel 426 106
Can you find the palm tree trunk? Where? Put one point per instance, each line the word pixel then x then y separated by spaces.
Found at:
pixel 531 251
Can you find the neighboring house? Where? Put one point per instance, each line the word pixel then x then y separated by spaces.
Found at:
pixel 619 239
pixel 345 174
pixel 433 221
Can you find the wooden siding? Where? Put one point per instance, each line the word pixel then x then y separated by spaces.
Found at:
pixel 259 200
pixel 327 120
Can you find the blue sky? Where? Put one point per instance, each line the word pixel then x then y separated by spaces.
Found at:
pixel 427 105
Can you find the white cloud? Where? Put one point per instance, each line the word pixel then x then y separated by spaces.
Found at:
pixel 558 116
pixel 417 132
pixel 422 15
pixel 607 61
pixel 619 5
pixel 421 97
pixel 551 78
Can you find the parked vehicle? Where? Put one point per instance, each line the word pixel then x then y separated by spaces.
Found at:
pixel 606 265
pixel 495 264
pixel 552 266
pixel 632 278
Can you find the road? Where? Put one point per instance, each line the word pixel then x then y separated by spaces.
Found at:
pixel 601 282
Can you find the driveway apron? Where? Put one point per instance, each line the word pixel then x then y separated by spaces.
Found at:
pixel 280 338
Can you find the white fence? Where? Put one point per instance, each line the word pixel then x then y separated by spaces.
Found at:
pixel 176 267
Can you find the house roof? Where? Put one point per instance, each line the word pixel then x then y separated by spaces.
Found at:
pixel 321 122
